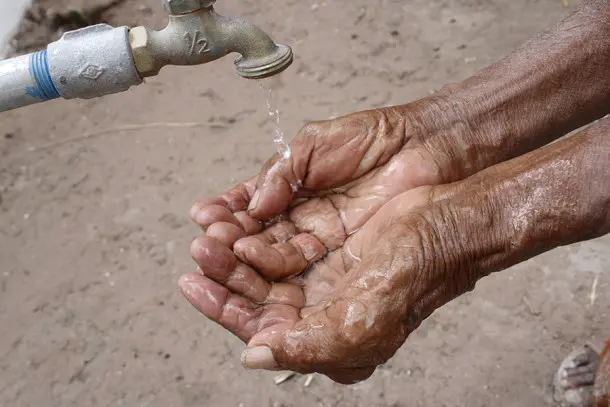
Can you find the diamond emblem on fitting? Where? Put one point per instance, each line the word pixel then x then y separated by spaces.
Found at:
pixel 92 71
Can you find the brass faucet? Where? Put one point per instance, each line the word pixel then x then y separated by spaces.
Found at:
pixel 196 34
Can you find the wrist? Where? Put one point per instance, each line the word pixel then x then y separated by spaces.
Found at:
pixel 511 212
pixel 558 195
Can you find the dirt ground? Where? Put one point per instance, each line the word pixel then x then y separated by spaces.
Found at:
pixel 94 227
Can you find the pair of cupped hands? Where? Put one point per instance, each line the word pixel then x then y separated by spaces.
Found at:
pixel 326 261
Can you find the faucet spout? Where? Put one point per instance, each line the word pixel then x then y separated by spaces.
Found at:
pixel 204 36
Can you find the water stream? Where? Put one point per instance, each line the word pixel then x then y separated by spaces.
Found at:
pixel 283 148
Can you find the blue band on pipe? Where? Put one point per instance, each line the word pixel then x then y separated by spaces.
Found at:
pixel 39 71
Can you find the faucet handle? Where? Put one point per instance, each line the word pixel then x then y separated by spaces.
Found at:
pixel 186 6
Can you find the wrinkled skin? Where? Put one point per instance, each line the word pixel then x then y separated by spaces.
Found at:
pixel 333 278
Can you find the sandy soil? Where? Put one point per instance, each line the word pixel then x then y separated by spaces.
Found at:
pixel 95 232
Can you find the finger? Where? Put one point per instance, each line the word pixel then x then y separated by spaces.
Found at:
pixel 281 260
pixel 276 321
pixel 219 263
pixel 234 313
pixel 213 258
pixel 251 285
pixel 225 233
pixel 298 348
pixel 238 198
pixel 280 178
pixel 235 199
pixel 210 214
pixel 202 203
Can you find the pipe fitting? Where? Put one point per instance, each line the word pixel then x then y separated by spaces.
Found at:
pixel 186 6
pixel 92 62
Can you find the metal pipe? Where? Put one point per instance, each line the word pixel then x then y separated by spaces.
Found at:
pixel 101 60
pixel 84 64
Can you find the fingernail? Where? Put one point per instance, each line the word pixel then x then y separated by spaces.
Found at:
pixel 260 357
pixel 254 201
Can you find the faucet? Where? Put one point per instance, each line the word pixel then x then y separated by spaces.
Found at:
pixel 99 60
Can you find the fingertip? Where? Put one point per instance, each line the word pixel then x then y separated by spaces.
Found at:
pixel 186 283
pixel 211 214
pixel 197 246
pixel 274 190
pixel 203 294
pixel 211 256
pixel 200 204
pixel 225 233
pixel 185 280
pixel 242 246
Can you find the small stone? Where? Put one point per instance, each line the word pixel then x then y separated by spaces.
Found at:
pixel 308 380
pixel 283 377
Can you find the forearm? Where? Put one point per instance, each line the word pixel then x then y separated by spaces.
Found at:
pixel 553 84
pixel 509 213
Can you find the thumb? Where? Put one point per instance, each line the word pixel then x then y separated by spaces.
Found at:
pixel 282 177
pixel 276 186
pixel 311 345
